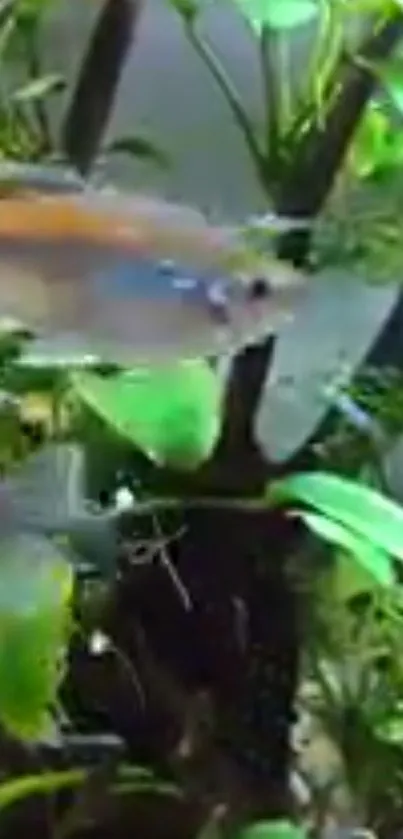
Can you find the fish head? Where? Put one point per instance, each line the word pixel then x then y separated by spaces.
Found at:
pixel 255 297
pixel 146 310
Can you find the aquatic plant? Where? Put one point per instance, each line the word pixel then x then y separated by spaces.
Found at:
pixel 187 642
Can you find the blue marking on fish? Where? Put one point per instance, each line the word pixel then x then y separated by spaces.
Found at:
pixel 150 280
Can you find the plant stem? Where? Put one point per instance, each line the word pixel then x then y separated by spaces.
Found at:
pixel 242 120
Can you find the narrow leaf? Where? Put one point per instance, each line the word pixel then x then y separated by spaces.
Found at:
pixel 372 559
pixel 39 88
pixel 129 780
pixel 272 829
pixel 371 515
pixel 138 147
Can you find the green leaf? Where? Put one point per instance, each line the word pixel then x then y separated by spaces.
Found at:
pixel 390 74
pixel 371 559
pixel 272 829
pixel 18 789
pixel 36 583
pixel 277 14
pixel 130 779
pixel 383 7
pixel 390 730
pixel 188 9
pixel 139 147
pixel 365 511
pixel 173 413
pixel 39 88
pixel 369 150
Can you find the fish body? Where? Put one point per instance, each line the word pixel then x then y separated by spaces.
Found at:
pixel 139 279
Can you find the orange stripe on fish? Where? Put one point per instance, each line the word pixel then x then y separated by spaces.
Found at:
pixel 33 217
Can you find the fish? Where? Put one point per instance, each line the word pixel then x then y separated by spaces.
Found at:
pixel 139 279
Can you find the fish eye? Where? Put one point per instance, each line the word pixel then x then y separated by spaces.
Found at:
pixel 260 289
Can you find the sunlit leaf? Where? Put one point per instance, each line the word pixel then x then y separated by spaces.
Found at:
pixel 139 147
pixel 390 730
pixel 17 789
pixel 365 511
pixel 370 558
pixel 272 829
pixel 347 579
pixel 372 6
pixel 287 14
pixel 390 74
pixel 369 149
pixel 39 88
pixel 172 413
pixel 36 585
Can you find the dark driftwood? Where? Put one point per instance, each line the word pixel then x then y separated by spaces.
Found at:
pixel 96 88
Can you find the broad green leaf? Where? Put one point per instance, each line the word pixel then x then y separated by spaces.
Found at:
pixel 172 413
pixel 365 511
pixel 39 88
pixel 36 585
pixel 272 829
pixel 277 14
pixel 139 147
pixel 372 560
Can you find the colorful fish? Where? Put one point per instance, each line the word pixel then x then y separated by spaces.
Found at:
pixel 141 280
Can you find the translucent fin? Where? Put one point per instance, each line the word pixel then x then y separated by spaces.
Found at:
pixel 20 177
